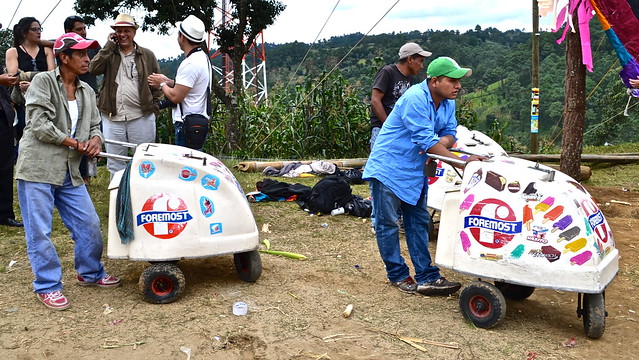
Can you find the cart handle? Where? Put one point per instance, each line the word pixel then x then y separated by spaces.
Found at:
pixel 121 143
pixel 114 156
pixel 446 159
pixel 462 151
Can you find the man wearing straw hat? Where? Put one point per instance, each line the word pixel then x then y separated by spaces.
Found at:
pixel 191 87
pixel 128 106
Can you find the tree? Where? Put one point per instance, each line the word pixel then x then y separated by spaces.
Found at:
pixel 235 37
pixel 574 107
pixel 159 15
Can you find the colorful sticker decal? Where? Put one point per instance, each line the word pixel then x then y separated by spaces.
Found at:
pixel 514 187
pixel 550 253
pixel 467 203
pixel 474 180
pixel 495 181
pixel 210 182
pixel 596 219
pixel 216 228
pixel 575 245
pixel 491 257
pixel 188 174
pixel 492 223
pixel 562 223
pixel 206 206
pixel 530 193
pixel 450 175
pixel 465 241
pixel 518 251
pixel 538 235
pixel 581 259
pixel 146 169
pixel 545 205
pixel 528 216
pixel 569 234
pixel 164 215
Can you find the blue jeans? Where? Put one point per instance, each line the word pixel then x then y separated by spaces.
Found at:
pixel 79 216
pixel 180 138
pixel 387 207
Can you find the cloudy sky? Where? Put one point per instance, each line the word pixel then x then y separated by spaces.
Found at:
pixel 303 19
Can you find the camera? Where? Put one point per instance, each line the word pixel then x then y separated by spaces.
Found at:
pixel 166 103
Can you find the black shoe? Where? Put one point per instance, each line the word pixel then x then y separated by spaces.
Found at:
pixel 440 286
pixel 407 285
pixel 11 222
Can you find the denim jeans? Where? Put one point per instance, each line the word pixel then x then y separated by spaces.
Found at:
pixel 78 214
pixel 180 138
pixel 374 133
pixel 387 208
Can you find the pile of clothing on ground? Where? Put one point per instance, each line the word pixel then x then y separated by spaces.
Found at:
pixel 331 192
pixel 297 169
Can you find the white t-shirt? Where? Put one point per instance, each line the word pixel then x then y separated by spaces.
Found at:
pixel 73 114
pixel 194 72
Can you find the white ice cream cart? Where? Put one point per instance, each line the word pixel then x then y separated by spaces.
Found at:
pixel 184 204
pixel 524 225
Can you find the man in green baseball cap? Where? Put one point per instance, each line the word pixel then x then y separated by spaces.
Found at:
pixel 422 121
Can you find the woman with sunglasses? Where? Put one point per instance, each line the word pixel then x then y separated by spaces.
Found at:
pixel 28 56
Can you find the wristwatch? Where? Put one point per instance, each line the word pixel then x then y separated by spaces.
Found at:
pixel 162 84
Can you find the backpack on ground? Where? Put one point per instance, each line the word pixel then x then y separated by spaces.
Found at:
pixel 331 192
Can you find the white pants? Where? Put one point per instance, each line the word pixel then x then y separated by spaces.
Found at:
pixel 138 131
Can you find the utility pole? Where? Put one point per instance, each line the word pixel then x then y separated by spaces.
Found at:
pixel 534 98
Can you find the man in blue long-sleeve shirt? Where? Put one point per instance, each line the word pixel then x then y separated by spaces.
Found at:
pixel 422 121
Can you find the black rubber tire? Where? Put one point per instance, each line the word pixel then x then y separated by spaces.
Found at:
pixel 513 291
pixel 161 283
pixel 248 265
pixel 594 314
pixel 483 304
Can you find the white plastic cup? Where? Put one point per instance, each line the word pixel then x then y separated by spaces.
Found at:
pixel 338 211
pixel 240 309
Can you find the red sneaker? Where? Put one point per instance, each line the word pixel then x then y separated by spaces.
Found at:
pixel 107 281
pixel 54 300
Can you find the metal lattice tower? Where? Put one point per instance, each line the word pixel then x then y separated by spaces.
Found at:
pixel 253 63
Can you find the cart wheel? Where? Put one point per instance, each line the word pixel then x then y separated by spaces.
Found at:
pixel 482 304
pixel 161 283
pixel 248 265
pixel 513 291
pixel 594 313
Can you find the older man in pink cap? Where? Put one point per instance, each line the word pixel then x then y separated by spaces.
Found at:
pixel 62 124
pixel 127 105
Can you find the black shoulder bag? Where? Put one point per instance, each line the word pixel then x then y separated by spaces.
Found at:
pixel 196 126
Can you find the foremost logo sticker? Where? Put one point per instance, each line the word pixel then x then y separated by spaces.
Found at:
pixel 164 216
pixel 492 223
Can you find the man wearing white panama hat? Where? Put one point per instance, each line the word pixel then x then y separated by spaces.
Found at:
pixel 127 105
pixel 191 87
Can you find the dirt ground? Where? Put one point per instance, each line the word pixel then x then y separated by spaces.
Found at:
pixel 295 308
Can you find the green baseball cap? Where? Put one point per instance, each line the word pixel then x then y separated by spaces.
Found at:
pixel 445 66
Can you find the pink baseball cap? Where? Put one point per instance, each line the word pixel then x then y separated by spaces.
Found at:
pixel 72 41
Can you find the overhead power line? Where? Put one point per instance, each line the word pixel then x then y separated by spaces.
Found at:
pixel 327 75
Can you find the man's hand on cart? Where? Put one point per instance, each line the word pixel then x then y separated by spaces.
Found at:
pixel 92 147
